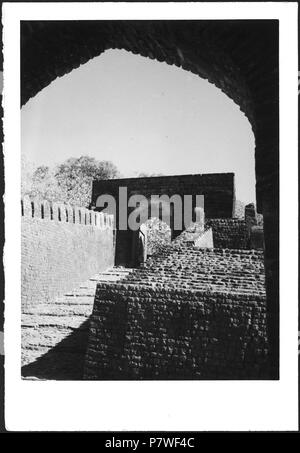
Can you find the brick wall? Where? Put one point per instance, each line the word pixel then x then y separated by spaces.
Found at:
pixel 229 233
pixel 189 267
pixel 61 247
pixel 170 334
pixel 213 327
pixel 217 188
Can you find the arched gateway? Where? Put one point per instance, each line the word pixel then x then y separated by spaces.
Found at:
pixel 166 197
pixel 239 57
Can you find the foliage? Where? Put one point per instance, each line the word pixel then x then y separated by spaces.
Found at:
pixel 239 210
pixel 45 186
pixel 75 177
pixel 260 220
pixel 69 182
pixel 158 234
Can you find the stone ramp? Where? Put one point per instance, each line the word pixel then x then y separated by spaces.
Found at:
pixel 54 333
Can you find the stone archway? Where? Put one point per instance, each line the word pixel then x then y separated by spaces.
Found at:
pixel 164 212
pixel 239 57
pixel 158 235
pixel 216 188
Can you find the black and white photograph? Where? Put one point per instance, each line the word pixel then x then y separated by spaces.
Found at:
pixel 148 184
pixel 162 110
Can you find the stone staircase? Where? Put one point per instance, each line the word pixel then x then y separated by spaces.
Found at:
pixel 186 313
pixel 54 333
pixel 217 270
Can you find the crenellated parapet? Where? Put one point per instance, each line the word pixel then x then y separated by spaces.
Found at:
pixel 62 246
pixel 61 212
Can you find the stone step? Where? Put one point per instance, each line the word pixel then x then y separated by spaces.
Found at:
pixel 38 321
pixel 45 338
pixel 57 331
pixel 62 309
pixel 54 333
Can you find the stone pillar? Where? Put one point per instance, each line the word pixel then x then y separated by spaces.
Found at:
pixel 250 215
pixel 268 191
pixel 46 210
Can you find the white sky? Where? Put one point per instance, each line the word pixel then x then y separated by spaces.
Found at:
pixel 144 116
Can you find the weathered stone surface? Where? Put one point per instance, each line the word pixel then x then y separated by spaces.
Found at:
pixel 216 188
pixel 188 313
pixel 229 233
pixel 57 255
pixel 54 334
pixel 157 233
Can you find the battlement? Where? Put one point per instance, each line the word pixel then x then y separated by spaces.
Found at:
pixel 65 242
pixel 60 212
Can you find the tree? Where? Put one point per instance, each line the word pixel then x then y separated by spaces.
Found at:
pixel 239 210
pixel 75 176
pixel 45 186
pixel 158 234
pixel 69 182
pixel 39 183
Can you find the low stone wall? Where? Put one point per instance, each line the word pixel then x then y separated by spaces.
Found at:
pixel 147 333
pixel 61 247
pixel 229 233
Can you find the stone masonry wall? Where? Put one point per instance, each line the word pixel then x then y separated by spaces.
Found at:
pixel 229 233
pixel 217 188
pixel 147 333
pixel 61 247
pixel 187 313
